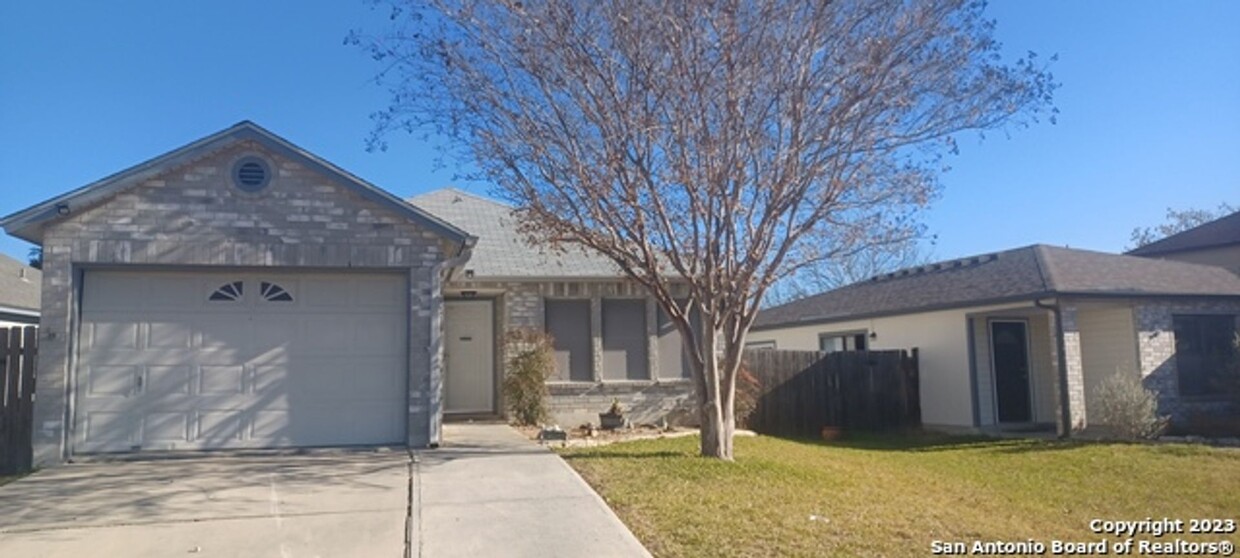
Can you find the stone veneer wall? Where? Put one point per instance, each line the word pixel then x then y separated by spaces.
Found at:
pixel 1156 351
pixel 666 395
pixel 192 216
pixel 1075 370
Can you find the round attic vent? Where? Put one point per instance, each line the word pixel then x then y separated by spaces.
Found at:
pixel 251 174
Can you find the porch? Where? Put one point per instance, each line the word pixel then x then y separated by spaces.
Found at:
pixel 1041 366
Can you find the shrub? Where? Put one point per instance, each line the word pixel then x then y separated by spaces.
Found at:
pixel 531 359
pixel 1128 408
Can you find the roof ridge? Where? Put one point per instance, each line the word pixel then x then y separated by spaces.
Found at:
pixel 1043 264
pixel 456 190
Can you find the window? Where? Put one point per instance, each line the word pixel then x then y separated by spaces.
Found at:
pixel 274 293
pixel 760 346
pixel 228 292
pixel 673 361
pixel 1205 354
pixel 846 341
pixel 624 340
pixel 568 323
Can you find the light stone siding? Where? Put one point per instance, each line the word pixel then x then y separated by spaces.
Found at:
pixel 666 394
pixel 192 216
pixel 1075 368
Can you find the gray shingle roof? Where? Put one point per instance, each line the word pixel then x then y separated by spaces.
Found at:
pixel 19 284
pixel 1019 274
pixel 501 251
pixel 1219 232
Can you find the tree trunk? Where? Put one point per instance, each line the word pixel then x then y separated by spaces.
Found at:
pixel 715 416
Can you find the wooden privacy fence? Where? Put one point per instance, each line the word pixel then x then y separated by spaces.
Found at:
pixel 799 392
pixel 18 350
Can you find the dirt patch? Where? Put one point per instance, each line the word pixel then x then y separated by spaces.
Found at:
pixel 582 437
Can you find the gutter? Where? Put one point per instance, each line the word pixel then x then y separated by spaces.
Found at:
pixel 1065 410
pixel 15 311
pixel 434 396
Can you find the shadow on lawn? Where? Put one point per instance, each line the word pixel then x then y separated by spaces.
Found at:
pixel 919 441
pixel 610 452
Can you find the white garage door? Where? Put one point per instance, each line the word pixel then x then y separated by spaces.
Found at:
pixel 173 360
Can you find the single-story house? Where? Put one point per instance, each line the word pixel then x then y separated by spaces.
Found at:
pixel 1214 243
pixel 19 293
pixel 241 292
pixel 1022 338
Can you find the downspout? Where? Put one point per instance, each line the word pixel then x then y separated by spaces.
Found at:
pixel 1065 409
pixel 434 396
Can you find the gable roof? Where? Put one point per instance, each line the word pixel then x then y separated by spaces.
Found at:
pixel 502 251
pixel 1219 232
pixel 19 285
pixel 25 223
pixel 1013 275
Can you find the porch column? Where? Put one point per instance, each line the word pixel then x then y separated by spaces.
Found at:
pixel 596 338
pixel 652 338
pixel 1070 373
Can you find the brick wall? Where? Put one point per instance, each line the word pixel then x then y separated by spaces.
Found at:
pixel 192 215
pixel 574 403
pixel 1156 351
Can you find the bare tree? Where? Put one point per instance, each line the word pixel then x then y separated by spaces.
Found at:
pixel 1177 221
pixel 847 269
pixel 708 148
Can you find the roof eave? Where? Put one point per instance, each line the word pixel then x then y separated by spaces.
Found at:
pixel 904 311
pixel 989 302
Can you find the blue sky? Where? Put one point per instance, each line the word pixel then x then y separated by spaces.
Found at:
pixel 1150 107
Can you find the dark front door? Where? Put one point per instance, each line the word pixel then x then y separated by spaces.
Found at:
pixel 1010 347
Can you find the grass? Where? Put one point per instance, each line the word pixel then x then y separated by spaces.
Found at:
pixel 893 495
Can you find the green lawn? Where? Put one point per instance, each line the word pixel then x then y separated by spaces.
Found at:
pixel 893 495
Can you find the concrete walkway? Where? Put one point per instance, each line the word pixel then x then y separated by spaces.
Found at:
pixel 488 491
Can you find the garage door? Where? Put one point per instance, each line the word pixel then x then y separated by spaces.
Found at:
pixel 172 360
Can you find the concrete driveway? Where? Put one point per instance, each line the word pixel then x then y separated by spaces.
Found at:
pixel 487 492
pixel 315 504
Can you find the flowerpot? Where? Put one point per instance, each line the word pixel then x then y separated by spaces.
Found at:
pixel 832 433
pixel 608 421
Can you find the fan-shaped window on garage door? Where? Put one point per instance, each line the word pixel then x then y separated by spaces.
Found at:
pixel 274 293
pixel 228 292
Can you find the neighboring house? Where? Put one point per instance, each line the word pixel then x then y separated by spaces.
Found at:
pixel 1214 243
pixel 19 293
pixel 1022 338
pixel 240 292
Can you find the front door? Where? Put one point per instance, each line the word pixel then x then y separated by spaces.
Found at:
pixel 1010 353
pixel 469 383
